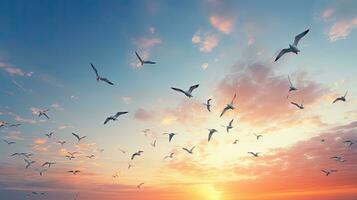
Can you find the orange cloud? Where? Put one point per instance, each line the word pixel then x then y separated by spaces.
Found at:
pixel 222 24
pixel 206 42
pixel 39 141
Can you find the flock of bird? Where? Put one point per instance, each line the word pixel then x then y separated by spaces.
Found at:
pixel 44 167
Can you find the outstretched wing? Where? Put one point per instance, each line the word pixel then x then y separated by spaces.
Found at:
pixel 345 94
pixel 282 52
pixel 107 81
pixel 337 99
pixel 107 120
pixel 120 113
pixel 149 62
pixel 141 60
pixel 295 104
pixel 301 35
pixel 223 111
pixel 186 149
pixel 46 115
pixel 75 135
pixel 193 87
pixel 290 81
pixel 95 70
pixel 230 123
pixel 235 95
pixel 178 89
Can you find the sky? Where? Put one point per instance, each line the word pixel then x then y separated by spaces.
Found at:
pixel 227 47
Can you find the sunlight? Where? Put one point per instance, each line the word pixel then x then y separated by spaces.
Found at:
pixel 209 192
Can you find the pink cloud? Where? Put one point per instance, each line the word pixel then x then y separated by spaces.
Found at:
pixel 143 114
pixel 341 29
pixel 146 43
pixel 327 14
pixel 18 118
pixel 14 70
pixel 222 24
pixel 206 42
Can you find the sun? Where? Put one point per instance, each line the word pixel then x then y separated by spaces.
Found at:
pixel 209 192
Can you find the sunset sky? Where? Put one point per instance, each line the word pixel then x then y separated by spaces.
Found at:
pixel 228 47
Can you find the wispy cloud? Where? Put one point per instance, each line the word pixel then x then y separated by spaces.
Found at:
pixel 341 29
pixel 18 118
pixel 143 114
pixel 206 42
pixel 221 23
pixel 14 70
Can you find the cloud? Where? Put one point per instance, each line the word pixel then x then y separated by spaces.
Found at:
pixel 206 42
pixel 14 135
pixel 126 99
pixel 327 13
pixel 57 106
pixel 341 29
pixel 39 141
pixel 142 114
pixel 14 70
pixel 18 118
pixel 204 66
pixel 146 43
pixel 223 24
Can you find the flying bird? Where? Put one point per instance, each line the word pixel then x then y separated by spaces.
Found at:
pixel 190 151
pixel 153 144
pixel 99 78
pixel 43 113
pixel 338 159
pixel 258 136
pixel 72 153
pixel 70 157
pixel 208 105
pixel 139 186
pixel 138 153
pixel 300 106
pixel 49 135
pixel 235 141
pixel 9 142
pixel 188 93
pixel 29 163
pixel 61 142
pixel 254 154
pixel 342 98
pixel 78 138
pixel 48 163
pixel 114 117
pixel 349 142
pixel 171 135
pixel 229 106
pixel 142 62
pixel 230 126
pixel 292 47
pixel 210 133
pixel 91 156
pixel 328 172
pixel 74 171
pixel 169 156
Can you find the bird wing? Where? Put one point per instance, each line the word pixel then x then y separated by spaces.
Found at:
pixel 223 111
pixel 230 123
pixel 235 95
pixel 337 99
pixel 46 115
pixel 141 60
pixel 282 52
pixel 209 136
pixel 186 149
pixel 192 148
pixel 75 135
pixel 120 113
pixel 95 70
pixel 178 89
pixel 133 156
pixel 149 62
pixel 345 94
pixel 106 120
pixel 298 37
pixel 106 80
pixel 295 104
pixel 193 87
pixel 170 137
pixel 290 81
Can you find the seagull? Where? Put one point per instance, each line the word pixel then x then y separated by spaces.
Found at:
pixel 15 125
pixel 61 142
pixel 349 142
pixel 9 142
pixel 91 156
pixel 292 47
pixel 43 112
pixel 328 172
pixel 40 171
pixel 70 157
pixel 99 78
pixel 49 135
pixel 138 153
pixel 258 136
pixel 254 154
pixel 188 93
pixel 29 162
pixel 235 141
pixel 229 126
pixel 342 98
pixel 74 171
pixel 145 131
pixel 139 186
pixel 114 117
pixel 153 144
pixel 116 175
pixel 48 163
pixel 301 106
pixel 122 151
pixel 229 106
pixel 142 62
pixel 338 159
pixel 211 131
pixel 169 156
pixel 78 138
pixel 208 105
pixel 72 153
pixel 171 135
pixel 190 151
pixel 15 154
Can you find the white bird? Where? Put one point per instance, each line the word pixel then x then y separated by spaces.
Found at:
pixel 190 151
pixel 210 133
pixel 61 142
pixel 138 153
pixel 254 154
pixel 338 159
pixel 114 117
pixel 139 186
pixel 171 135
pixel 49 135
pixel 208 105
pixel 48 163
pixel 29 163
pixel 188 93
pixel 74 171
pixel 230 126
pixel 169 156
pixel 99 78
pixel 258 136
pixel 229 106
pixel 300 106
pixel 43 113
pixel 142 62
pixel 342 98
pixel 40 171
pixel 349 142
pixel 78 138
pixel 328 172
pixel 153 144
pixel 9 142
pixel 72 153
pixel 292 47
